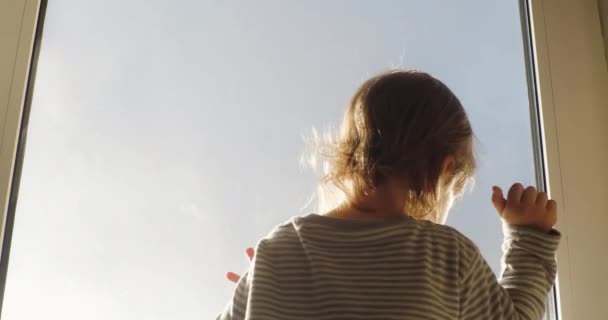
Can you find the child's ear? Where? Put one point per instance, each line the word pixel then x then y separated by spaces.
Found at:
pixel 447 168
pixel 449 165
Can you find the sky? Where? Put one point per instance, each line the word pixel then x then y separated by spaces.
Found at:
pixel 165 137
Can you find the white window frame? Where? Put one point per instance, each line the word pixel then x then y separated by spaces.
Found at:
pixel 571 89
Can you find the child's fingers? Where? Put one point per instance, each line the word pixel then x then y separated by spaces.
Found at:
pixel 250 252
pixel 515 193
pixel 231 276
pixel 542 199
pixel 498 200
pixel 551 218
pixel 551 206
pixel 529 195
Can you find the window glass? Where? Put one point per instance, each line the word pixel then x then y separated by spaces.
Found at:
pixel 164 137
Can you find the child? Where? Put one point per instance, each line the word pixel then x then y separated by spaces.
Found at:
pixel 403 155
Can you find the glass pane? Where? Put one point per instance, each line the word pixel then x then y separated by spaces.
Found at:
pixel 164 137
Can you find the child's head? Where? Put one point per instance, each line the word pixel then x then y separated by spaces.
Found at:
pixel 403 128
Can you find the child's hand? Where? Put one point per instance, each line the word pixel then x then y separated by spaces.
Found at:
pixel 525 207
pixel 231 276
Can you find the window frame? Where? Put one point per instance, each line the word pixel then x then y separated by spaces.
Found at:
pixel 549 28
pixel 536 128
pixel 572 105
pixel 21 24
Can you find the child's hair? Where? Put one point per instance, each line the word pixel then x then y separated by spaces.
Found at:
pixel 403 124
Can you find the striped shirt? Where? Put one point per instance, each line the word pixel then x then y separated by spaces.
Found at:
pixel 318 267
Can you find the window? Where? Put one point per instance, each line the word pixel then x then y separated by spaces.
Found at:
pixel 164 138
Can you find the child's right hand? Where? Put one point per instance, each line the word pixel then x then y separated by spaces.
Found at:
pixel 234 277
pixel 525 207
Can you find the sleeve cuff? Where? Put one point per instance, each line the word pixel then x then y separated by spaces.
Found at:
pixel 540 243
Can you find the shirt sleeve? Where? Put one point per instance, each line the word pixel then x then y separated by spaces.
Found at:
pixel 528 273
pixel 237 307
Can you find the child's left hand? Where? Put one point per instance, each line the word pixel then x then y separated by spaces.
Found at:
pixel 231 276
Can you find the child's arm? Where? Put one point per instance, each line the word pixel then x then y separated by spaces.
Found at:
pixel 527 276
pixel 237 308
pixel 528 261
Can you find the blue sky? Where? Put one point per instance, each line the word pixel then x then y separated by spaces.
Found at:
pixel 165 136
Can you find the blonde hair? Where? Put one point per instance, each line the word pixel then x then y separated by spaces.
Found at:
pixel 403 124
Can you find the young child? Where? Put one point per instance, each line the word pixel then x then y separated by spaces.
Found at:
pixel 404 153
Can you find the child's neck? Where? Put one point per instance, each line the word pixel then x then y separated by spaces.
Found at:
pixel 382 203
pixel 350 213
